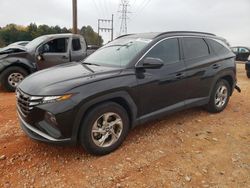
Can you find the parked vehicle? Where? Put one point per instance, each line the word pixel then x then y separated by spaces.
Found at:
pixel 131 80
pixel 247 65
pixel 242 53
pixel 17 62
pixel 92 49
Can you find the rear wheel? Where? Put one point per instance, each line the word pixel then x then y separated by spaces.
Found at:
pixel 219 97
pixel 104 128
pixel 11 77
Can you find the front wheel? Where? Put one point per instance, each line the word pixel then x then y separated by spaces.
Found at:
pixel 219 97
pixel 104 128
pixel 11 77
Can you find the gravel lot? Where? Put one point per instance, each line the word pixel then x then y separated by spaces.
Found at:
pixel 191 148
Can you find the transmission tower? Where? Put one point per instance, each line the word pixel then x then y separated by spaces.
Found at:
pixel 124 16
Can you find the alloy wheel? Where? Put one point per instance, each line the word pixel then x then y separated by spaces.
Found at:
pixel 107 129
pixel 221 96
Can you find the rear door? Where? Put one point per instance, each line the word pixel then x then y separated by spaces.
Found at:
pixel 164 88
pixel 198 63
pixel 54 52
pixel 78 49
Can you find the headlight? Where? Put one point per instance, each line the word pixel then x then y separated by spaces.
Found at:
pixel 51 99
pixel 248 58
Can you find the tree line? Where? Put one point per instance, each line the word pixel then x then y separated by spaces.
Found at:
pixel 12 33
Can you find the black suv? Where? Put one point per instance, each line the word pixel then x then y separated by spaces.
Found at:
pixel 131 80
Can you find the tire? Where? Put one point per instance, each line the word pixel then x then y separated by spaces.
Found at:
pixel 11 73
pixel 219 100
pixel 102 141
pixel 248 74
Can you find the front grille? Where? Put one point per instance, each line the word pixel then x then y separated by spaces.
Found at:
pixel 26 102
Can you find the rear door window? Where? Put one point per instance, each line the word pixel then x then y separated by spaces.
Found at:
pixel 195 48
pixel 167 51
pixel 76 44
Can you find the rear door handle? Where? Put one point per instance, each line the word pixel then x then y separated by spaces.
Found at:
pixel 179 75
pixel 65 57
pixel 216 66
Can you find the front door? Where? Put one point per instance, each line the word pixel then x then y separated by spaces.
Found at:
pixel 162 89
pixel 52 53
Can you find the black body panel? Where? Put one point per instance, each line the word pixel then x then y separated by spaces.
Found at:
pixel 145 93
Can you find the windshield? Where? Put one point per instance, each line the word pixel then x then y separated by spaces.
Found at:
pixel 118 53
pixel 36 42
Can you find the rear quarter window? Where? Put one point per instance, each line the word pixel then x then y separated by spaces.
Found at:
pixel 217 47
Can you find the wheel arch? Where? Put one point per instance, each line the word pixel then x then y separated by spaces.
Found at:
pixel 122 98
pixel 17 63
pixel 227 75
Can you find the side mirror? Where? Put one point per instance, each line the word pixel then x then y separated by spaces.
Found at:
pixel 151 63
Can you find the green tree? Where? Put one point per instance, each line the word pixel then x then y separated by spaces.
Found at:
pixel 2 43
pixel 13 33
pixel 91 36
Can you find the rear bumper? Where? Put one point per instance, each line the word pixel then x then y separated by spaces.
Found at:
pixel 38 135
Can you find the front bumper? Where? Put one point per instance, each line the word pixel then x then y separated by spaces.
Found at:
pixel 38 135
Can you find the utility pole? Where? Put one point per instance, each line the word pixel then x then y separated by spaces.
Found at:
pixel 109 28
pixel 124 16
pixel 74 5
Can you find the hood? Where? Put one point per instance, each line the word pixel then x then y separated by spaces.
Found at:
pixel 61 79
pixel 12 51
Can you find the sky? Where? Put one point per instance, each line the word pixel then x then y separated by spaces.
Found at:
pixel 226 18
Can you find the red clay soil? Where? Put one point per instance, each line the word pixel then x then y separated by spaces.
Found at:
pixel 191 148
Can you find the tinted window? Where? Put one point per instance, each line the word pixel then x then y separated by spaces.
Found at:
pixel 167 50
pixel 56 46
pixel 76 45
pixel 243 50
pixel 217 47
pixel 235 50
pixel 195 48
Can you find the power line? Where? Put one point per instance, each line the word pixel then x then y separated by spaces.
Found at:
pixel 145 5
pixel 96 6
pixel 106 7
pixel 140 8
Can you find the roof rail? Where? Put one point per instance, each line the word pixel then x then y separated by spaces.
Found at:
pixel 124 36
pixel 187 32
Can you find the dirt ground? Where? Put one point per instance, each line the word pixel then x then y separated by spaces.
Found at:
pixel 191 148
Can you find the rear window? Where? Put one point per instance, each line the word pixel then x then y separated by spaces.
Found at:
pixel 195 48
pixel 217 47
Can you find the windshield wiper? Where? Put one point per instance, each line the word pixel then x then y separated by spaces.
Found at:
pixel 85 63
pixel 86 67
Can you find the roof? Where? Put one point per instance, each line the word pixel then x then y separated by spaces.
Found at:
pixel 61 35
pixel 169 33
